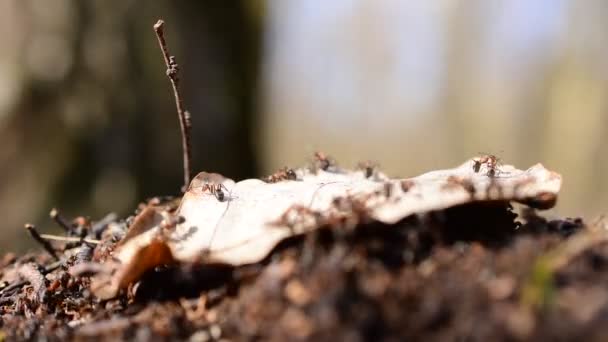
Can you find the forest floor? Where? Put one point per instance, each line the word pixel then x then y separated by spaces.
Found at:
pixel 477 272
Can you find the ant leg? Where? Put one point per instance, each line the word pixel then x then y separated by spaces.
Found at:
pixel 219 193
pixel 205 187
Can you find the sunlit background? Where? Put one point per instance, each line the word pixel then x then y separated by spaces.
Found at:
pixel 88 123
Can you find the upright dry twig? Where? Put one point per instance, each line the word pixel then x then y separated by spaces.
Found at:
pixel 60 220
pixel 184 116
pixel 45 244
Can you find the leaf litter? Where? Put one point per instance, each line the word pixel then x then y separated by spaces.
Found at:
pixel 253 216
pixel 347 254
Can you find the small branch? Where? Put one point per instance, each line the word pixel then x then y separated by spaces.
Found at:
pixel 60 220
pixel 12 287
pixel 45 244
pixel 98 227
pixel 20 283
pixel 184 116
pixel 68 239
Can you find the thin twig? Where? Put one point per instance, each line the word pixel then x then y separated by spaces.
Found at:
pixel 20 283
pixel 45 244
pixel 12 287
pixel 184 116
pixel 69 238
pixel 60 220
pixel 98 227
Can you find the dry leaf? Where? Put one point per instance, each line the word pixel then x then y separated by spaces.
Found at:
pixel 142 248
pixel 246 226
pixel 253 216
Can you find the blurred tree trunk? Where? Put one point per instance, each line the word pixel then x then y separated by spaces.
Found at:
pixel 87 119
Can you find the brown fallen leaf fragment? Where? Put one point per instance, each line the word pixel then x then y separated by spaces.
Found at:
pixel 115 275
pixel 253 216
pixel 148 218
pixel 143 247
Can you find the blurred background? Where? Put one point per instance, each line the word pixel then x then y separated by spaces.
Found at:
pixel 88 123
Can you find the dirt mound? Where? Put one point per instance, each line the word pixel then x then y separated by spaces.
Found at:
pixel 469 272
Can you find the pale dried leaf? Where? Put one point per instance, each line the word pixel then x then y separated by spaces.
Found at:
pixel 244 228
pixel 254 216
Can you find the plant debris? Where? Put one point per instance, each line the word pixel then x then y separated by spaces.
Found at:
pixel 470 270
pixel 252 216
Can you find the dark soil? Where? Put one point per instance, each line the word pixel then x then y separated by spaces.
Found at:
pixel 469 273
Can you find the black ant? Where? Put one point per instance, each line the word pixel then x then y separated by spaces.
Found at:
pixel 211 182
pixel 491 162
pixel 322 161
pixel 216 190
pixel 368 168
pixel 291 174
pixel 283 174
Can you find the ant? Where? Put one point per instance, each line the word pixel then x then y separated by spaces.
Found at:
pixel 211 182
pixel 216 190
pixel 322 161
pixel 283 174
pixel 368 168
pixel 491 162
